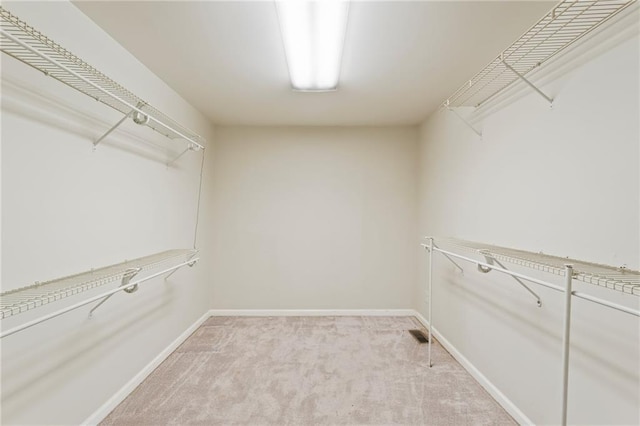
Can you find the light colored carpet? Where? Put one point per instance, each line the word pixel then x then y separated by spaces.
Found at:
pixel 308 371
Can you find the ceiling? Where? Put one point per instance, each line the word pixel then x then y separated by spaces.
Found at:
pixel 400 60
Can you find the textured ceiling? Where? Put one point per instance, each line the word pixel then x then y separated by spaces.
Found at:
pixel 400 61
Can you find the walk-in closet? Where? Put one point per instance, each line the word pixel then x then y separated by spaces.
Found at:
pixel 320 212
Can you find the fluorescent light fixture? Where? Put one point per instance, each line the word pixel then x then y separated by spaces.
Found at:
pixel 313 35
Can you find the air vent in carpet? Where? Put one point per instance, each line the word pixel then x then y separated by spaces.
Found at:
pixel 419 335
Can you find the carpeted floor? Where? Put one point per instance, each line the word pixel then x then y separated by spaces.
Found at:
pixel 308 371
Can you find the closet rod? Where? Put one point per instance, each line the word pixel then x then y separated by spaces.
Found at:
pixel 499 269
pixel 580 295
pixel 605 303
pixel 91 300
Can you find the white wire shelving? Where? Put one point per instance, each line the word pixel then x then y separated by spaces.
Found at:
pixel 489 258
pixel 26 44
pixel 564 25
pixel 615 278
pixel 23 299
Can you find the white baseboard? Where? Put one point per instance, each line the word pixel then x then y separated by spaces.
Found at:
pixel 102 412
pixel 311 312
pixel 119 396
pixel 501 398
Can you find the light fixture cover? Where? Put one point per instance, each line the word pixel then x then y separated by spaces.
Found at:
pixel 313 35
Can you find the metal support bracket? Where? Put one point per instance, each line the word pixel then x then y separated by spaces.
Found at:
pixel 177 157
pixel 115 126
pixel 488 258
pixel 521 77
pixel 191 147
pixel 491 260
pixel 461 118
pixel 190 264
pixel 126 278
pixel 428 248
pixel 138 118
pixel 451 260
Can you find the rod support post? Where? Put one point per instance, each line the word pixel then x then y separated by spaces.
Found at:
pixel 566 340
pixel 430 245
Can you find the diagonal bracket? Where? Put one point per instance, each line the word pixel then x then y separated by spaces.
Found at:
pixel 451 260
pixel 461 118
pixel 445 255
pixel 126 278
pixel 115 126
pixel 190 264
pixel 490 260
pixel 533 86
pixel 191 147
pixel 170 163
pixel 138 118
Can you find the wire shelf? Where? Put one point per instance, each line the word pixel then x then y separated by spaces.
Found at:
pixel 619 279
pixel 30 46
pixel 565 24
pixel 26 298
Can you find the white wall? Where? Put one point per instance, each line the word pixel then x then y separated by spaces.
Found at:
pixel 66 209
pixel 314 218
pixel 564 181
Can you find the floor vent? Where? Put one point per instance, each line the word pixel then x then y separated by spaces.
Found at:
pixel 419 335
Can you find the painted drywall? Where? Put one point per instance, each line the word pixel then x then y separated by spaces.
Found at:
pixel 67 208
pixel 564 181
pixel 314 218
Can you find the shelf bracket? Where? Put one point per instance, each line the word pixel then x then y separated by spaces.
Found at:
pixel 461 118
pixel 427 248
pixel 491 260
pixel 126 278
pixel 451 260
pixel 190 264
pixel 189 148
pixel 533 86
pixel 115 126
